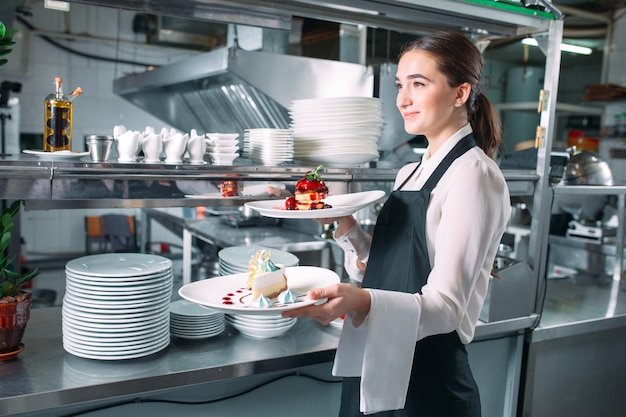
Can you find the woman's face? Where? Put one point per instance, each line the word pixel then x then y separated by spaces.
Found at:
pixel 429 106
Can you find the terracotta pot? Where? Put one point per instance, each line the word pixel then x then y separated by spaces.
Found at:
pixel 13 320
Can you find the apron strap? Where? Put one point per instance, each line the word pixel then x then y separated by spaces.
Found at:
pixel 459 149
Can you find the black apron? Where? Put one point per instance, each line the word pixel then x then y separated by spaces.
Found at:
pixel 441 381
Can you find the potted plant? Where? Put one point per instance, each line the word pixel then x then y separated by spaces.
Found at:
pixel 6 41
pixel 15 303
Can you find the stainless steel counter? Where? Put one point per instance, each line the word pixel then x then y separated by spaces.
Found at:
pixel 574 359
pixel 44 376
pixel 580 305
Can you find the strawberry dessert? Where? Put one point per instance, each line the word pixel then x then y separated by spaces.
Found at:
pixel 309 193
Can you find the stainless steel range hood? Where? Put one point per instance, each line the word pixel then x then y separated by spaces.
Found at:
pixel 230 90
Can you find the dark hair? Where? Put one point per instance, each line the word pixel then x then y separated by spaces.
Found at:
pixel 460 61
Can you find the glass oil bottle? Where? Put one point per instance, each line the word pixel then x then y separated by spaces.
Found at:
pixel 57 120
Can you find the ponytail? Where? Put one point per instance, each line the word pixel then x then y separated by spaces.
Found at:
pixel 486 125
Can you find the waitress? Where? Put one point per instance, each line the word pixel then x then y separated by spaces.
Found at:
pixel 425 270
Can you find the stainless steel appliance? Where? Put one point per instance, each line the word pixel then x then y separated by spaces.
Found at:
pixel 230 89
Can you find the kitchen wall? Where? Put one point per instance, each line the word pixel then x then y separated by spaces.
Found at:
pixel 34 62
pixel 105 49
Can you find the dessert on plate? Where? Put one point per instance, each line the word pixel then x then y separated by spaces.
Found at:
pixel 309 194
pixel 266 279
pixel 229 188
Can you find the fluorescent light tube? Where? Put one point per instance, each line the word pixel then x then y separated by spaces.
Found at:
pixel 575 49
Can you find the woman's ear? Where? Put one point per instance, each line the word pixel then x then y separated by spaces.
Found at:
pixel 463 94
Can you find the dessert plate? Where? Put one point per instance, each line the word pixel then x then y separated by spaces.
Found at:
pixel 342 205
pixel 217 292
pixel 59 155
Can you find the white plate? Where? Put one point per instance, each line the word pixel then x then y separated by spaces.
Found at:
pixel 211 292
pixel 207 195
pixel 312 152
pixel 239 256
pixel 114 305
pixel 154 308
pixel 119 264
pixel 121 281
pixel 340 158
pixel 55 156
pixel 79 351
pixel 344 101
pixel 152 322
pixel 150 288
pixel 260 189
pixel 342 205
pixel 186 309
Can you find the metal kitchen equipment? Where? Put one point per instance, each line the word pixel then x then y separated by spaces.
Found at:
pixel 99 147
pixel 587 168
pixel 230 89
pixel 510 291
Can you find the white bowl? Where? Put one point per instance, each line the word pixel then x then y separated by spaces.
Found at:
pixel 256 324
pixel 262 333
pixel 228 149
pixel 222 136
pixel 224 158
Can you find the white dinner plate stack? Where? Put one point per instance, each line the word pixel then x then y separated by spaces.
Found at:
pixel 223 147
pixel 116 305
pixel 337 131
pixel 261 327
pixel 235 259
pixel 192 321
pixel 268 146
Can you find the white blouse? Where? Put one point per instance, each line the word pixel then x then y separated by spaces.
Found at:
pixel 467 214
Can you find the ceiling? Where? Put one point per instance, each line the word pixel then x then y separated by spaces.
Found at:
pixel 581 26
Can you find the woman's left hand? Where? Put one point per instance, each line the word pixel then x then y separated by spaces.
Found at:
pixel 342 298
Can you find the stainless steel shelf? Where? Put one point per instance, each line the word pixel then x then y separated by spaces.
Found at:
pixel 83 184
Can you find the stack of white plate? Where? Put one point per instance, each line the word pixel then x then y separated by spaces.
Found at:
pixel 268 146
pixel 337 131
pixel 192 321
pixel 235 259
pixel 116 305
pixel 261 326
pixel 223 147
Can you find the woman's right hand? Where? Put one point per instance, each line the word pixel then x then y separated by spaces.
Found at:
pixel 340 299
pixel 344 223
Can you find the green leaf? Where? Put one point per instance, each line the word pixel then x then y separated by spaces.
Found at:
pixel 3 30
pixel 5 239
pixel 15 207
